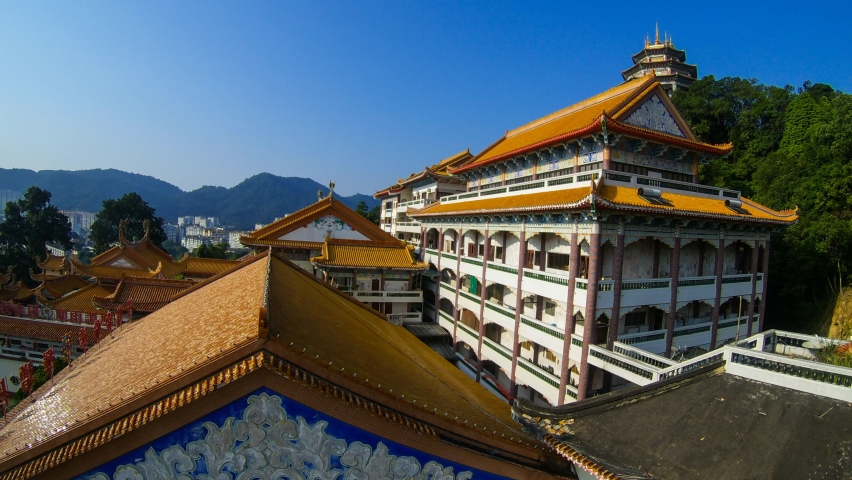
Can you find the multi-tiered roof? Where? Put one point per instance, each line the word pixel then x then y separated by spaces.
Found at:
pixel 438 171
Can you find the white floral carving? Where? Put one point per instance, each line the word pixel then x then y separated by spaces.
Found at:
pixel 654 115
pixel 266 444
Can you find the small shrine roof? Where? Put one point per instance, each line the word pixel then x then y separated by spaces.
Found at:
pixel 53 262
pixel 41 330
pixel 357 255
pixel 208 266
pixel 16 291
pixel 114 272
pixel 270 234
pixel 81 300
pixel 145 294
pixel 705 424
pixel 59 286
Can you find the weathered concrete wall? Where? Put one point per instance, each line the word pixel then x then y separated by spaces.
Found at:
pixel 639 260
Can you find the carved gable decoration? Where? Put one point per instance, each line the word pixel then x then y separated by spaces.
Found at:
pixel 318 229
pixel 265 435
pixel 654 115
pixel 121 262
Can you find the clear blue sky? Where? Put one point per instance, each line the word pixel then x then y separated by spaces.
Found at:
pixel 209 93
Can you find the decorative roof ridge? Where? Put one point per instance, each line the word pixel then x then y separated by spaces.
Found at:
pixel 292 218
pixel 476 157
pixel 75 293
pixel 622 88
pixel 559 206
pixel 214 260
pixel 765 209
pixel 596 124
pixel 365 243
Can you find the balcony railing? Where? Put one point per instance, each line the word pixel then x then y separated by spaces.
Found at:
pixel 472 261
pixel 449 255
pixel 503 268
pixel 546 277
pixel 472 298
pixel 505 352
pixel 645 284
pixel 379 295
pixel 543 327
pixel 537 371
pixel 502 311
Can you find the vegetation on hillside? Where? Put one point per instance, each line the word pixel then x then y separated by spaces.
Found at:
pixel 792 149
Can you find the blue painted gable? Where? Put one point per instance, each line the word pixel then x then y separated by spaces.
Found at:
pixel 268 436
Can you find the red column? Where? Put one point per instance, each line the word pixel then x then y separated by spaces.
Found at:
pixel 589 333
pixel 482 298
pixel 439 282
pixel 573 269
pixel 717 302
pixel 519 306
pixel 765 284
pixel 750 311
pixel 674 269
pixel 422 243
pixel 542 265
pixel 456 310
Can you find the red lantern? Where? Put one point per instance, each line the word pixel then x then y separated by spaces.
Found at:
pixel 66 348
pixel 84 339
pixel 26 375
pixel 97 329
pixel 48 356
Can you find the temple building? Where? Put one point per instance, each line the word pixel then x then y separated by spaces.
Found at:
pixel 585 256
pixel 266 372
pixel 347 251
pixel 666 62
pixel 416 191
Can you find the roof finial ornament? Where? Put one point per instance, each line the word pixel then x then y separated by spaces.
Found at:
pixel 657 34
pixel 319 195
pixel 331 189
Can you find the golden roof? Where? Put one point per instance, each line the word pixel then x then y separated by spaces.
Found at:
pixel 270 234
pixel 208 266
pixel 53 262
pixel 81 300
pixel 113 272
pixel 59 286
pixel 358 255
pixel 619 198
pixel 41 330
pixel 145 294
pixel 585 117
pixel 15 291
pixel 439 169
pixel 215 324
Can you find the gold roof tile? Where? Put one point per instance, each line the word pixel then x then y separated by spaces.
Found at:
pixel 208 322
pixel 145 294
pixel 539 201
pixel 368 256
pixel 209 266
pixel 81 300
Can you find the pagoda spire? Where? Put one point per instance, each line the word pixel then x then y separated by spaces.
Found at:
pixel 657 34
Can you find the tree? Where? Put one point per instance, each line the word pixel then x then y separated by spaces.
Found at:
pixel 130 207
pixel 371 214
pixel 30 224
pixel 216 250
pixel 176 250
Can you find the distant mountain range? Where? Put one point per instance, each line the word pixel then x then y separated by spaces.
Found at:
pixel 259 199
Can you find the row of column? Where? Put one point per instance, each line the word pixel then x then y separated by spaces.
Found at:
pixel 590 312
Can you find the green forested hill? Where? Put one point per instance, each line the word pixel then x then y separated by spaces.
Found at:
pixel 792 149
pixel 258 199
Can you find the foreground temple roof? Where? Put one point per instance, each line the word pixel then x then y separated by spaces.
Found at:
pixel 269 323
pixel 606 110
pixel 612 197
pixel 707 424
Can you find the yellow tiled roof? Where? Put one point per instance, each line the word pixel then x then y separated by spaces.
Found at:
pixel 355 338
pixel 177 344
pixel 107 271
pixel 367 256
pixel 145 294
pixel 269 235
pixel 209 266
pixel 441 168
pixel 53 262
pixel 81 300
pixel 539 201
pixel 205 324
pixel 619 197
pixel 61 286
pixel 569 119
pixel 612 197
